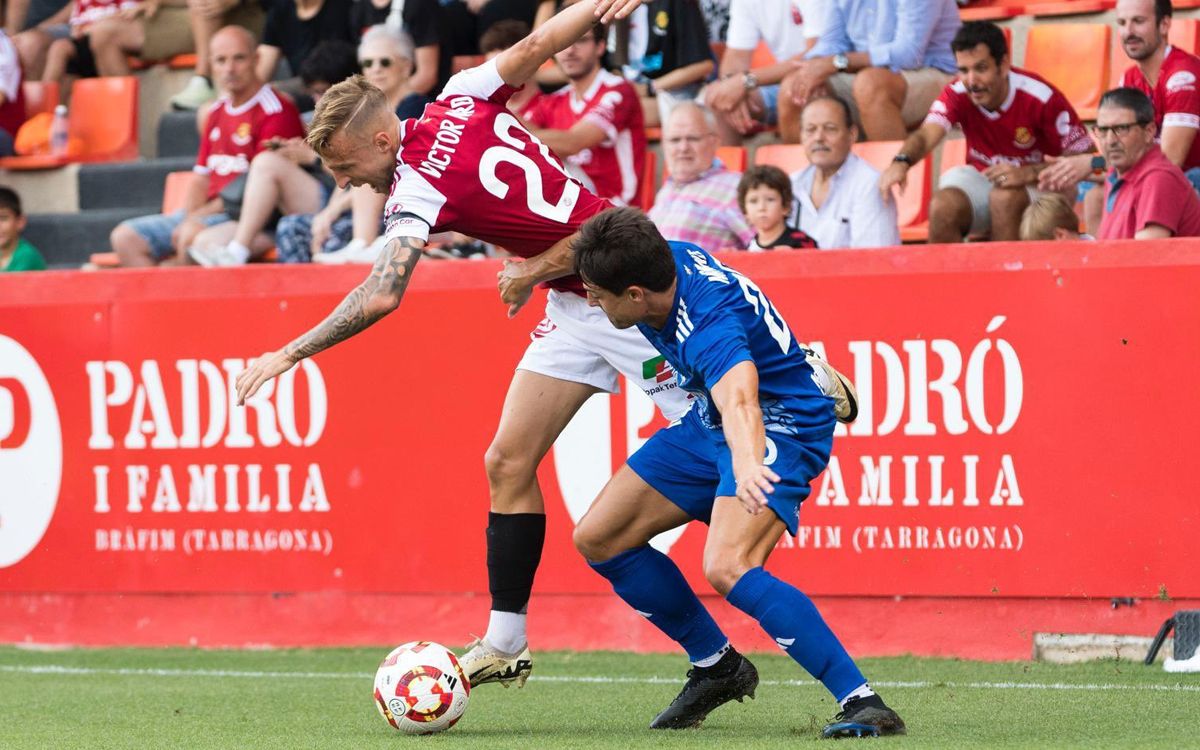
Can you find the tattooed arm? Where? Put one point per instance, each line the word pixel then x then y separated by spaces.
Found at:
pixel 375 297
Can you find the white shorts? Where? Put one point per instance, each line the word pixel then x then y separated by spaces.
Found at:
pixel 978 190
pixel 577 343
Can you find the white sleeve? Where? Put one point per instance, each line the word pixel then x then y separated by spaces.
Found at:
pixel 877 224
pixel 413 206
pixel 813 12
pixel 480 82
pixel 10 69
pixel 743 33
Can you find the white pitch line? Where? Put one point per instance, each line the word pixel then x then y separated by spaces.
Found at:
pixel 59 669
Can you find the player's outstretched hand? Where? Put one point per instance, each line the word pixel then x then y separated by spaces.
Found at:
pixel 754 486
pixel 514 286
pixel 260 371
pixel 607 10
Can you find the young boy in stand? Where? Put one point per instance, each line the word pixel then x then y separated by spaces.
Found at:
pixel 765 197
pixel 16 254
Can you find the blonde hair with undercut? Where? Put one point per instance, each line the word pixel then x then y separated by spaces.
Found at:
pixel 350 105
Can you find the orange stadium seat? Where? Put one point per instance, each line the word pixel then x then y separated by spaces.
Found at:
pixel 789 157
pixel 1068 7
pixel 647 190
pixel 1083 74
pixel 40 96
pixel 1184 34
pixel 954 154
pixel 733 157
pixel 762 56
pixel 103 117
pixel 992 10
pixel 912 207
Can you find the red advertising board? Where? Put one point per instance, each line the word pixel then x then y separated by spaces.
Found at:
pixel 1026 429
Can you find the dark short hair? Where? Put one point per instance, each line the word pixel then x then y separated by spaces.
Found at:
pixel 502 34
pixel 331 61
pixel 621 248
pixel 831 98
pixel 1131 99
pixel 974 33
pixel 765 174
pixel 1162 9
pixel 10 200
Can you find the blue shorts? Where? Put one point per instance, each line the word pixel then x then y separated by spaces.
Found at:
pixel 156 229
pixel 770 96
pixel 691 466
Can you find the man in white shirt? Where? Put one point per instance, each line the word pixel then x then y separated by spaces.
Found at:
pixel 838 202
pixel 746 97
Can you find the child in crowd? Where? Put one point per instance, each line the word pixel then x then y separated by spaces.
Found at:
pixel 15 253
pixel 1051 217
pixel 765 197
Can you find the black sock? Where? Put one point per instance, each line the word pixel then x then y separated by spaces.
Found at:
pixel 514 549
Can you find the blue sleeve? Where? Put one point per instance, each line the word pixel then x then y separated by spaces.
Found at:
pixel 717 344
pixel 834 39
pixel 915 20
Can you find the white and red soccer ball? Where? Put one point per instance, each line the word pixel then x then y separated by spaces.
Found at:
pixel 421 689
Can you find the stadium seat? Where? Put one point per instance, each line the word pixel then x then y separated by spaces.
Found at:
pixel 790 157
pixel 954 154
pixel 40 96
pixel 103 116
pixel 992 10
pixel 912 207
pixel 762 56
pixel 647 190
pixel 1068 7
pixel 174 194
pixel 733 157
pixel 1185 34
pixel 1083 74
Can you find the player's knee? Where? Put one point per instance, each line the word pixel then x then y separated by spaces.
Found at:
pixel 590 543
pixel 506 466
pixel 723 571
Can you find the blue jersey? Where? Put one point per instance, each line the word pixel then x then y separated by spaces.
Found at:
pixel 720 318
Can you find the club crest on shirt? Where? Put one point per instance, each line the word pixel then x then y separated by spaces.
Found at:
pixel 241 136
pixel 661 21
pixel 1022 137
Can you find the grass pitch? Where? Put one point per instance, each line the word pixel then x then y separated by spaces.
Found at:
pixel 186 698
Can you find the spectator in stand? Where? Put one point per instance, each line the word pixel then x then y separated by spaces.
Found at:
pixel 33 42
pixel 888 60
pixel 237 128
pixel 716 16
pixel 1051 217
pixel 205 18
pixel 594 123
pixel 674 59
pixel 151 30
pixel 765 196
pixel 102 33
pixel 16 254
pixel 330 62
pixel 1012 120
pixel 12 95
pixel 292 29
pixel 1145 195
pixel 419 19
pixel 697 202
pixel 837 196
pixel 746 98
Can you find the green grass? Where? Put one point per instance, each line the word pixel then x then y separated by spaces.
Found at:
pixel 168 698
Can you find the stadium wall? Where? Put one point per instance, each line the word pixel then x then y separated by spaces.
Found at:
pixel 1023 455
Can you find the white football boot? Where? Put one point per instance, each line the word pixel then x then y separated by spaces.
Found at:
pixel 483 663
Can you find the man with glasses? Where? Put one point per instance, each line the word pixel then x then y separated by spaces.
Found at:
pixel 697 202
pixel 1013 121
pixel 1145 195
pixel 594 123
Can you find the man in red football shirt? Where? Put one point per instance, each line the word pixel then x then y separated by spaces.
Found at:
pixel 594 123
pixel 468 165
pixel 1012 119
pixel 236 129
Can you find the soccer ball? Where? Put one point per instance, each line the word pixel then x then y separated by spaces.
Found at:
pixel 421 689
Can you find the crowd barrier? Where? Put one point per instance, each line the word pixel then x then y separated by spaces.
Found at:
pixel 1023 454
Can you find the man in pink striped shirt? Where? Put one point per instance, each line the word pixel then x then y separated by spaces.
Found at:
pixel 697 202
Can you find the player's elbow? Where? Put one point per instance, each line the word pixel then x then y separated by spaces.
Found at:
pixel 381 303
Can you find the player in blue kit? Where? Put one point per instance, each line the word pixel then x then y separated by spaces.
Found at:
pixel 741 461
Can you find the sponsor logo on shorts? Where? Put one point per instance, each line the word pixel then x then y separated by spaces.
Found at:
pixel 30 452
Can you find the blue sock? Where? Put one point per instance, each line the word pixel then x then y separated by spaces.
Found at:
pixel 650 583
pixel 793 621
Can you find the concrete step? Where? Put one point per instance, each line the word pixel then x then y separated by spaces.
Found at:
pixel 68 240
pixel 136 184
pixel 177 135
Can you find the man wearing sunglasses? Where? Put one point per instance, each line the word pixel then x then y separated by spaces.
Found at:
pixel 1145 195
